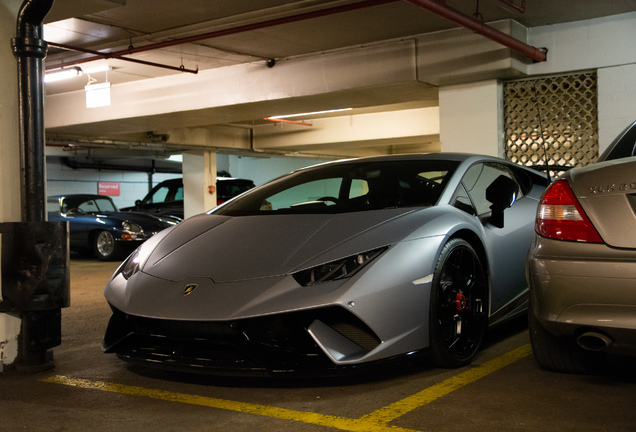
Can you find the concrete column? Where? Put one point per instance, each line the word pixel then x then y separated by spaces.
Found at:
pixel 9 161
pixel 199 174
pixel 616 102
pixel 470 118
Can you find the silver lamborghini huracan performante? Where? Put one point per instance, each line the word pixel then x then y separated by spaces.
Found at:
pixel 333 268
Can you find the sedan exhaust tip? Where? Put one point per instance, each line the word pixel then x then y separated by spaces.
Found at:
pixel 593 341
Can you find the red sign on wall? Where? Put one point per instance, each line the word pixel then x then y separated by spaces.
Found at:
pixel 108 188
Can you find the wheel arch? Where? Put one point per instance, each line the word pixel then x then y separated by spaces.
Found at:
pixel 443 318
pixel 93 233
pixel 477 244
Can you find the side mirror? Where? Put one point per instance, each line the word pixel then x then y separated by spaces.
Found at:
pixel 502 193
pixel 137 203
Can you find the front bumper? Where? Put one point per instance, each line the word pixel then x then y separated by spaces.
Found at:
pixel 262 346
pixel 578 287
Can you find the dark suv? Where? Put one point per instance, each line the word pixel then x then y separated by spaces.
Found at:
pixel 167 197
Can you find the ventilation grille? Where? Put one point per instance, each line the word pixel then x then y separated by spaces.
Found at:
pixel 552 121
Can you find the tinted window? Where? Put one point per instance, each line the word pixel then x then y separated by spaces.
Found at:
pixel 348 187
pixel 83 204
pixel 462 202
pixel 624 145
pixel 159 196
pixel 307 193
pixel 178 196
pixel 478 178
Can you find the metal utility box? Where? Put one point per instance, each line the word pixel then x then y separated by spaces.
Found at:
pixel 35 279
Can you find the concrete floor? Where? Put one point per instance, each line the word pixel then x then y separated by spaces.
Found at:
pixel 503 390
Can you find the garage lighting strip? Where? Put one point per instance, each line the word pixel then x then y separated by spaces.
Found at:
pixel 308 113
pixel 283 118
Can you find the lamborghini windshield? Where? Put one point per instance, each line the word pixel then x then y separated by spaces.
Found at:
pixel 348 187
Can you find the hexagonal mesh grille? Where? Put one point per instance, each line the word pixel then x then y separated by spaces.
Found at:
pixel 555 115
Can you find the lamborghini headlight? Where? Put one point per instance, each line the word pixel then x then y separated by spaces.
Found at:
pixel 336 270
pixel 130 266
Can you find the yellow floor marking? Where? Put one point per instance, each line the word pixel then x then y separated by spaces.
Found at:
pixel 426 396
pixel 374 422
pixel 341 423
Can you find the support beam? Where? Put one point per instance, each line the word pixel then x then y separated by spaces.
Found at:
pixel 199 173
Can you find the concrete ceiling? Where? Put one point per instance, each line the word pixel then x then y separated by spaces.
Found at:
pixel 237 36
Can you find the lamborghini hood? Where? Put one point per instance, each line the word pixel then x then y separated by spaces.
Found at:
pixel 228 249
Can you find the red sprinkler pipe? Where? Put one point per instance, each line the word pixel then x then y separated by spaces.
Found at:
pixel 230 31
pixel 479 27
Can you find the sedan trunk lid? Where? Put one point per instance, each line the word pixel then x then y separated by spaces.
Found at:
pixel 607 193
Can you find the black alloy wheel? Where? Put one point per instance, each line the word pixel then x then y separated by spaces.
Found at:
pixel 459 305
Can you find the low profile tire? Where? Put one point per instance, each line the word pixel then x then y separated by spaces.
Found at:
pixel 559 353
pixel 105 246
pixel 459 302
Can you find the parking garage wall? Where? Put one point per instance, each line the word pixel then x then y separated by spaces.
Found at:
pixel 604 45
pixel 61 179
pixel 262 169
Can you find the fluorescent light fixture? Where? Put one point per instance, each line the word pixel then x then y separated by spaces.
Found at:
pixel 97 95
pixel 309 113
pixel 92 69
pixel 63 74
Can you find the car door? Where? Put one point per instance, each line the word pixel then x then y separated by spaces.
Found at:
pixel 165 199
pixel 77 225
pixel 82 220
pixel 507 245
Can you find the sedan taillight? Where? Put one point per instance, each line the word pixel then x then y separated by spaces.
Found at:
pixel 561 217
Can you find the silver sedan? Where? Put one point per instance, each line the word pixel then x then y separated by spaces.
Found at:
pixel 582 265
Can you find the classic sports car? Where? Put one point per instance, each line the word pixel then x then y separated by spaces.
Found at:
pixel 582 266
pixel 334 267
pixel 96 225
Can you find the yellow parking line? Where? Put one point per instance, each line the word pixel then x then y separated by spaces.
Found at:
pixel 428 395
pixel 341 423
pixel 375 422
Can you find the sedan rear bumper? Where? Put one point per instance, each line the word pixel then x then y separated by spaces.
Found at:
pixel 578 288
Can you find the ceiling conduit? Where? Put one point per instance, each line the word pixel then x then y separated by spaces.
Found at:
pixel 226 32
pixel 440 9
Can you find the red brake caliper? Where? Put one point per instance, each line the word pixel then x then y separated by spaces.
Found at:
pixel 460 302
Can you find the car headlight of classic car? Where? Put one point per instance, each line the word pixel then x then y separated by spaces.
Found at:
pixel 131 230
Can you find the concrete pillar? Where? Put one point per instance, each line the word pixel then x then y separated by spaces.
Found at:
pixel 9 161
pixel 470 118
pixel 616 102
pixel 199 174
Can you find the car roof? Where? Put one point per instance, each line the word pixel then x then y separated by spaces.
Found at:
pixel 223 179
pixel 624 145
pixel 87 196
pixel 457 157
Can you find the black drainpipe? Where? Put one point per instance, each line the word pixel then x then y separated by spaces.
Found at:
pixel 30 49
pixel 35 257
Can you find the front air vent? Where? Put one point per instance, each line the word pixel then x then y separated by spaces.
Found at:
pixel 350 326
